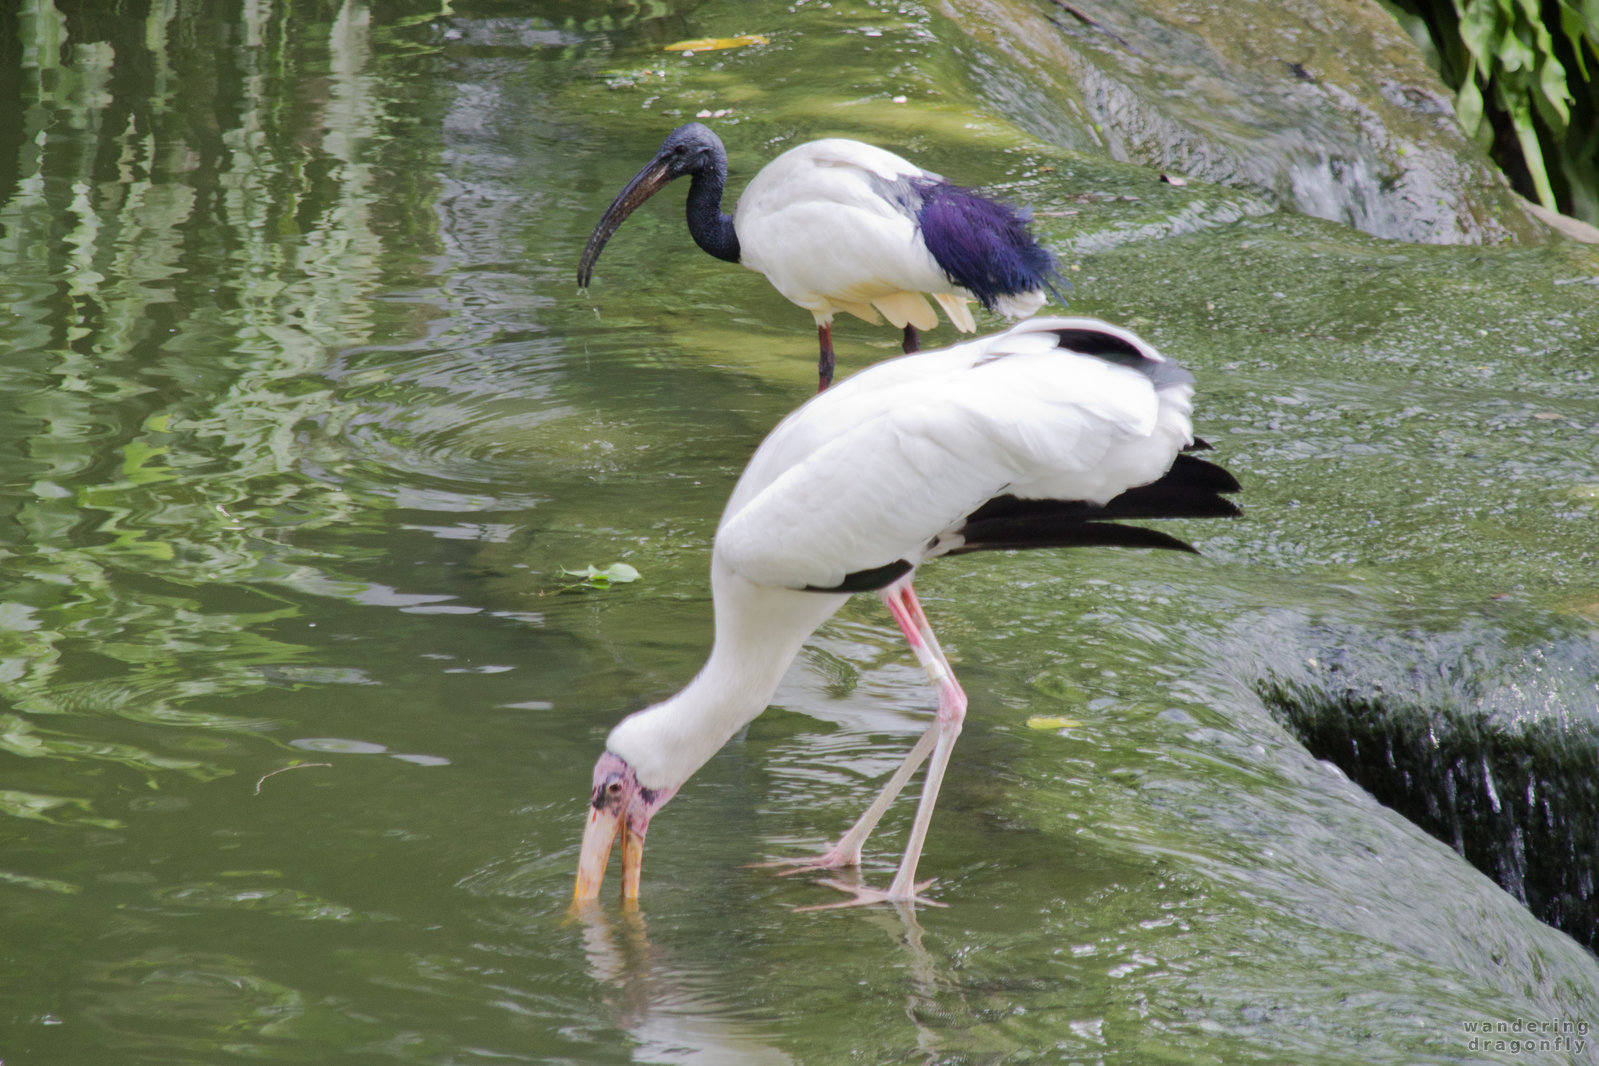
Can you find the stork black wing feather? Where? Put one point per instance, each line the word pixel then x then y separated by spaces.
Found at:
pixel 1192 488
pixel 1048 531
pixel 878 577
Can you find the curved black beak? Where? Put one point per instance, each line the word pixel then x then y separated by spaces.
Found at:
pixel 646 183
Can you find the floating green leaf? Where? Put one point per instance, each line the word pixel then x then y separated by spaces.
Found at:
pixel 592 577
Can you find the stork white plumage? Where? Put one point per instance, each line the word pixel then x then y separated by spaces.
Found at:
pixel 838 225
pixel 1042 436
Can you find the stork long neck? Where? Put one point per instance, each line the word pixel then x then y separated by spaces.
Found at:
pixel 711 229
pixel 755 642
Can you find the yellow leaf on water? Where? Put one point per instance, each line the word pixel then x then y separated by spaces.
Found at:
pixel 1052 721
pixel 713 44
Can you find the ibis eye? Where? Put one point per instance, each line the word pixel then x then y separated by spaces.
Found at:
pixel 614 787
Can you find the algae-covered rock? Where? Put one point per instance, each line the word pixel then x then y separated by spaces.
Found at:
pixel 1325 106
pixel 1488 745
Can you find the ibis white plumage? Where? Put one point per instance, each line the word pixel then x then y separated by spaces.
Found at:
pixel 838 225
pixel 1044 436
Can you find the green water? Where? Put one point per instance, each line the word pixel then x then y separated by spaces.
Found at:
pixel 303 416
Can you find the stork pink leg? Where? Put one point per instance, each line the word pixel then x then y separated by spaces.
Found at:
pixel 907 611
pixel 900 598
pixel 847 852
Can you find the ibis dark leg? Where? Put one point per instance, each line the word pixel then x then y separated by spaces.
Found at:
pixel 913 340
pixel 824 365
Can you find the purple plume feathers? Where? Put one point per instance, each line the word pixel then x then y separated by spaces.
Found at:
pixel 984 246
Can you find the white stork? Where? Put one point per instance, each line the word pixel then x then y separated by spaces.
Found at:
pixel 837 225
pixel 1039 437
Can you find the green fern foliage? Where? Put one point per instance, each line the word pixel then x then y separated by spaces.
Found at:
pixel 1524 75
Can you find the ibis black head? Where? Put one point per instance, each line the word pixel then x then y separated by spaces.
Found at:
pixel 693 150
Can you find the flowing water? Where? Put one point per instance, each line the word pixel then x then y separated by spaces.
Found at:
pixel 304 417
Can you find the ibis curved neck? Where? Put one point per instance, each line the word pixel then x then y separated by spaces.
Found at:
pixel 759 630
pixel 711 229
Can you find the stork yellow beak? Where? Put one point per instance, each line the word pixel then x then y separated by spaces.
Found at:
pixel 632 863
pixel 598 836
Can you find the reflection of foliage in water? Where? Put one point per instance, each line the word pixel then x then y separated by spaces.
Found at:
pixel 179 265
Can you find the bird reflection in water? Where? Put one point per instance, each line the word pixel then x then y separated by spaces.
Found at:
pixel 657 1004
